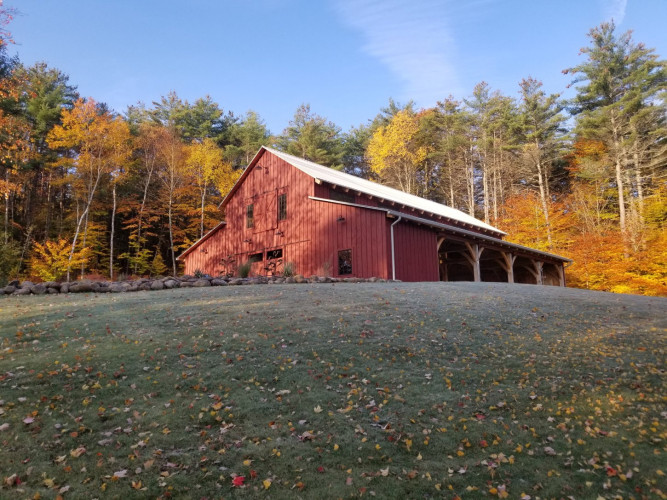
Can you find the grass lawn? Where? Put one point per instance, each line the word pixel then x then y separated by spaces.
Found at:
pixel 395 390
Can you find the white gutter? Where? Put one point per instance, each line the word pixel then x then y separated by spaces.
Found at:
pixel 393 253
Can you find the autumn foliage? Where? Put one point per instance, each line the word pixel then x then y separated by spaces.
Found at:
pixel 133 191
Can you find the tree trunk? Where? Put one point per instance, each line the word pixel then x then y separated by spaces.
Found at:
pixel 7 207
pixel 113 231
pixel 541 181
pixel 171 239
pixel 203 203
pixel 619 179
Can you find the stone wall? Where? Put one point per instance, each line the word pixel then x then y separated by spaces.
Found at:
pixel 53 287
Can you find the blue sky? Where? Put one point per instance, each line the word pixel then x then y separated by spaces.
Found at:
pixel 345 58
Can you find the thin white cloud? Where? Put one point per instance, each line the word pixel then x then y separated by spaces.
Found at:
pixel 614 9
pixel 412 39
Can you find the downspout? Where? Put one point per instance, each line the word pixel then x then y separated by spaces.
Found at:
pixel 393 253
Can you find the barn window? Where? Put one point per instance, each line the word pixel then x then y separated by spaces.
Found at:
pixel 274 254
pixel 282 206
pixel 250 215
pixel 345 261
pixel 341 196
pixel 256 257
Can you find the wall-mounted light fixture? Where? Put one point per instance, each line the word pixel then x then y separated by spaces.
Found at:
pixel 340 219
pixel 279 233
pixel 247 241
pixel 203 250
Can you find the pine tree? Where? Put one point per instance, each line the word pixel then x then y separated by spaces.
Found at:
pixel 621 79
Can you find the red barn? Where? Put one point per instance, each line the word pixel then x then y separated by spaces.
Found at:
pixel 285 209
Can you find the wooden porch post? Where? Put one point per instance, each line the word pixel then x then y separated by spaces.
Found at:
pixel 508 265
pixel 475 254
pixel 538 265
pixel 561 275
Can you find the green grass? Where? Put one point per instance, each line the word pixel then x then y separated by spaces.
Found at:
pixel 326 391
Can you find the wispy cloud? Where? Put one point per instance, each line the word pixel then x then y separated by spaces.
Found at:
pixel 614 9
pixel 412 38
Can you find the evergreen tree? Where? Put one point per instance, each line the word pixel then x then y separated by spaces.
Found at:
pixel 312 137
pixel 542 137
pixel 620 80
pixel 245 138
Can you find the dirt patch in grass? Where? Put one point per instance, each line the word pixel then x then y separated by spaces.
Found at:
pixel 318 391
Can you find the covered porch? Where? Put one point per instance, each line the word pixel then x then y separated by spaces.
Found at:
pixel 464 258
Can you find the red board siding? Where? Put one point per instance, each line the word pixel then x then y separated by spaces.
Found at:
pixel 314 231
pixel 416 253
pixel 311 235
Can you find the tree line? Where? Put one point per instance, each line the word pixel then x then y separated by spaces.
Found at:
pixel 87 190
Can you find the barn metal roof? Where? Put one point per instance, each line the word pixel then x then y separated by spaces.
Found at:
pixel 358 184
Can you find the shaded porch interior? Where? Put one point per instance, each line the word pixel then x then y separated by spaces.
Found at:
pixel 463 260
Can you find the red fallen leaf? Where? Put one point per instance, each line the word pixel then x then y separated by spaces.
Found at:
pixel 320 469
pixel 483 443
pixel 253 474
pixel 611 472
pixel 480 416
pixel 238 481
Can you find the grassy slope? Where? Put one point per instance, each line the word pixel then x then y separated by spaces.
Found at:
pixel 319 391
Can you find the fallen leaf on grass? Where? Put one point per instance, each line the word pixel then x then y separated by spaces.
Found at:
pixel 119 474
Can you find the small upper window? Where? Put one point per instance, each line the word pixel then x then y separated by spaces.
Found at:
pixel 345 261
pixel 341 196
pixel 250 215
pixel 282 206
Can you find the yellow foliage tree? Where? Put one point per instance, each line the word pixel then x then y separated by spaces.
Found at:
pixel 90 139
pixel 395 155
pixel 205 163
pixel 523 219
pixel 52 260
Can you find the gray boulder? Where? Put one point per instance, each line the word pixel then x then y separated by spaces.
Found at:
pixel 157 285
pixel 171 283
pixel 81 287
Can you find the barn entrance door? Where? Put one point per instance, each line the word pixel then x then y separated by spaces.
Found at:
pixel 266 212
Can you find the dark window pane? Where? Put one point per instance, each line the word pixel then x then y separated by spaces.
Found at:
pixel 345 261
pixel 282 206
pixel 274 254
pixel 256 257
pixel 341 196
pixel 250 215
